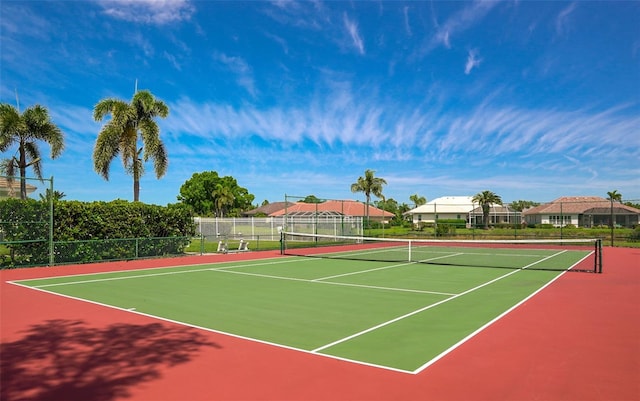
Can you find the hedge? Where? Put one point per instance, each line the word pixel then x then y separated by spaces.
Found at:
pixel 79 227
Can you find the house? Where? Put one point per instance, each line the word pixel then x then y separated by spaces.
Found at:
pixel 267 209
pixel 444 208
pixel 498 214
pixel 12 190
pixel 347 208
pixel 582 211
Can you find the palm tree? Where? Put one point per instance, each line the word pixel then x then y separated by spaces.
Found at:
pixel 418 200
pixel 57 195
pixel 130 122
pixel 485 199
pixel 369 185
pixel 614 196
pixel 223 197
pixel 26 130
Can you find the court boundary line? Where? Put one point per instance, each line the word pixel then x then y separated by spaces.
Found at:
pixel 482 328
pixel 335 283
pixel 203 269
pixel 312 352
pixel 383 324
pixel 220 332
pixel 228 269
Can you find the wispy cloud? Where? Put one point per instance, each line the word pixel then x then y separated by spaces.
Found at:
pixel 472 61
pixel 407 24
pixel 387 131
pixel 172 59
pixel 458 23
pixel 562 19
pixel 352 29
pixel 239 67
pixel 158 12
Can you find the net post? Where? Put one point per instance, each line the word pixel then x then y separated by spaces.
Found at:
pixel 598 266
pixel 410 243
pixel 282 242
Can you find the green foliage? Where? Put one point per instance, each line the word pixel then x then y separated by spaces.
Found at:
pixel 311 199
pixel 459 223
pixel 130 122
pixel 521 205
pixel 418 200
pixel 199 192
pixel 485 199
pixel 26 130
pixel 94 231
pixel 443 230
pixel 22 221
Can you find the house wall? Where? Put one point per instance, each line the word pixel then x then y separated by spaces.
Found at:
pixel 558 220
pixel 431 217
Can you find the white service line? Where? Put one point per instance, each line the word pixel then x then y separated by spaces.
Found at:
pixel 429 306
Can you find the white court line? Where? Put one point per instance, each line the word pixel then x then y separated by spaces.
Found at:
pixel 154 274
pixel 467 338
pixel 132 310
pixel 314 352
pixel 383 324
pixel 335 283
pixel 384 267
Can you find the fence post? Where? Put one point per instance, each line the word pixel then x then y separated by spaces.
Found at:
pixel 51 247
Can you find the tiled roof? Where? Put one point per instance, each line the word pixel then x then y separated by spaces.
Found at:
pixel 577 205
pixel 15 187
pixel 347 208
pixel 269 208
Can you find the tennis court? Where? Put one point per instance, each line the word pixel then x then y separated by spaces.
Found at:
pixel 377 311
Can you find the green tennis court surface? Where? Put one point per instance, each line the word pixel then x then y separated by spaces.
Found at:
pixel 393 315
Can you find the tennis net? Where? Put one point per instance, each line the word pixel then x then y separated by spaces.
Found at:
pixel 554 254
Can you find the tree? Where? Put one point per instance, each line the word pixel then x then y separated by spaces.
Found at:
pixel 26 130
pixel 129 123
pixel 418 200
pixel 223 198
pixel 521 205
pixel 369 184
pixel 485 199
pixel 311 199
pixel 202 189
pixel 614 196
pixel 57 195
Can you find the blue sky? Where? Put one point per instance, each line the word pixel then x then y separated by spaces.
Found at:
pixel 530 100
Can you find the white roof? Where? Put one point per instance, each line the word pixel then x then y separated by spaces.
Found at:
pixel 446 204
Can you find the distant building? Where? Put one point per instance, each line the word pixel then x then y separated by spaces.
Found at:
pixel 498 214
pixel 13 190
pixel 444 208
pixel 582 211
pixel 348 208
pixel 267 209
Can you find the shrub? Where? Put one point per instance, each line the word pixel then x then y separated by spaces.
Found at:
pixel 93 231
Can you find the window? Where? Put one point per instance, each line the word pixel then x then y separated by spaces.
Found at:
pixel 560 220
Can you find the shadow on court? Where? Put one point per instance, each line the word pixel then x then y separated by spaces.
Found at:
pixel 67 359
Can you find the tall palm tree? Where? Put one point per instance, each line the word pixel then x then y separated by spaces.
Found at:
pixel 223 198
pixel 418 200
pixel 485 199
pixel 614 196
pixel 26 130
pixel 130 122
pixel 369 184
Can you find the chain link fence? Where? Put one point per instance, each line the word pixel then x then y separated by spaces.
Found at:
pixel 260 231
